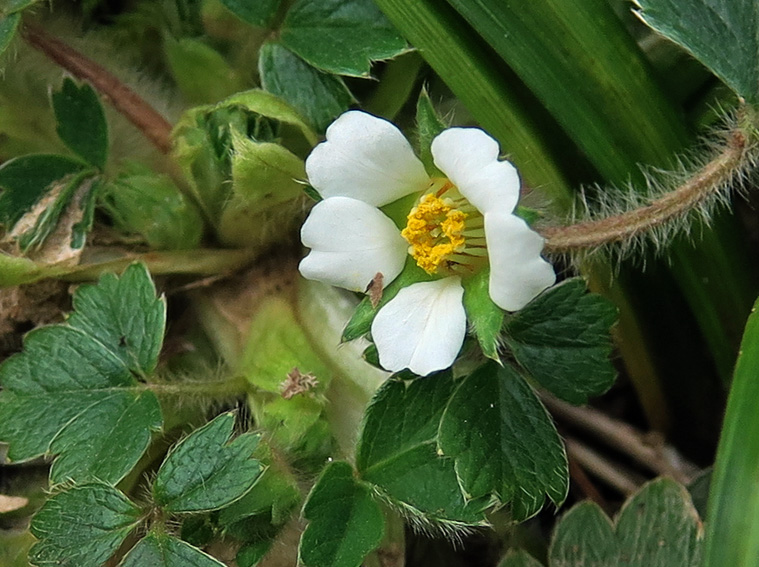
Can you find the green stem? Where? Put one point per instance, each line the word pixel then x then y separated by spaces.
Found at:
pixel 234 386
pixel 396 85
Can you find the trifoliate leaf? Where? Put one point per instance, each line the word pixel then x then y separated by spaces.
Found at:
pixel 162 550
pixel 340 36
pixel 320 97
pixel 81 122
pixel 82 527
pixel 73 391
pixel 24 180
pixel 344 522
pixel 8 29
pixel 201 73
pixel 563 340
pixel 429 125
pixel 397 450
pixel 206 471
pixel 259 13
pixel 657 527
pixel 724 36
pixel 484 316
pixel 503 441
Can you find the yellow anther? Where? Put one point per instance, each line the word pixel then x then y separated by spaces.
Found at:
pixel 434 231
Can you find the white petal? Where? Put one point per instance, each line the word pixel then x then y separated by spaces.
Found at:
pixel 469 157
pixel 350 243
pixel 422 328
pixel 517 272
pixel 366 158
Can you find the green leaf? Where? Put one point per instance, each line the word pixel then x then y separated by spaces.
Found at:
pixel 397 450
pixel 81 122
pixel 24 180
pixel 484 316
pixel 724 36
pixel 344 522
pixel 68 540
pixel 318 96
pixel 162 550
pixel 73 392
pixel 86 203
pixel 258 13
pixel 734 494
pixel 12 6
pixel 206 471
pixel 519 558
pixel 201 73
pixel 563 340
pixel 429 125
pixel 125 316
pixel 340 36
pixel 503 441
pixel 150 204
pixel 265 176
pixel 657 527
pixel 8 29
pixel 361 321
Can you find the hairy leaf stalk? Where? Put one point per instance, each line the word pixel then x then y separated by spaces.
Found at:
pixel 707 182
pixel 134 108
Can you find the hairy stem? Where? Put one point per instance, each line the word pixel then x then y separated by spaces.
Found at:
pixel 673 205
pixel 154 126
pixel 216 389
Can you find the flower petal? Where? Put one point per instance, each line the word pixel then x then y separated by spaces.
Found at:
pixel 422 328
pixel 365 158
pixel 469 157
pixel 517 272
pixel 350 243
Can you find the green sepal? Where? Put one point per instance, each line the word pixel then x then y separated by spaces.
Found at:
pixel 429 124
pixel 344 521
pixel 528 215
pixel 483 315
pixel 207 470
pixel 81 122
pixel 66 540
pixel 563 339
pixel 340 36
pixel 503 441
pixel 361 321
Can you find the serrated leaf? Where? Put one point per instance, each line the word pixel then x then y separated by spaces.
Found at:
pixel 428 125
pixel 483 315
pixel 162 550
pixel 8 29
pixel 345 523
pixel 259 13
pixel 563 340
pixel 340 36
pixel 24 180
pixel 724 36
pixel 125 315
pixel 67 540
pixel 73 392
pixel 503 441
pixel 206 471
pixel 657 527
pixel 320 97
pixel 397 450
pixel 81 122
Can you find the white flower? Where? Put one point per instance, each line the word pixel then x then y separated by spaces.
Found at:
pixel 456 227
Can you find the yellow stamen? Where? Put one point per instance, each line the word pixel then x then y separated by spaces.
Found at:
pixel 435 230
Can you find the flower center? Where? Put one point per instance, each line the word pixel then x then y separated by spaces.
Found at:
pixel 445 232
